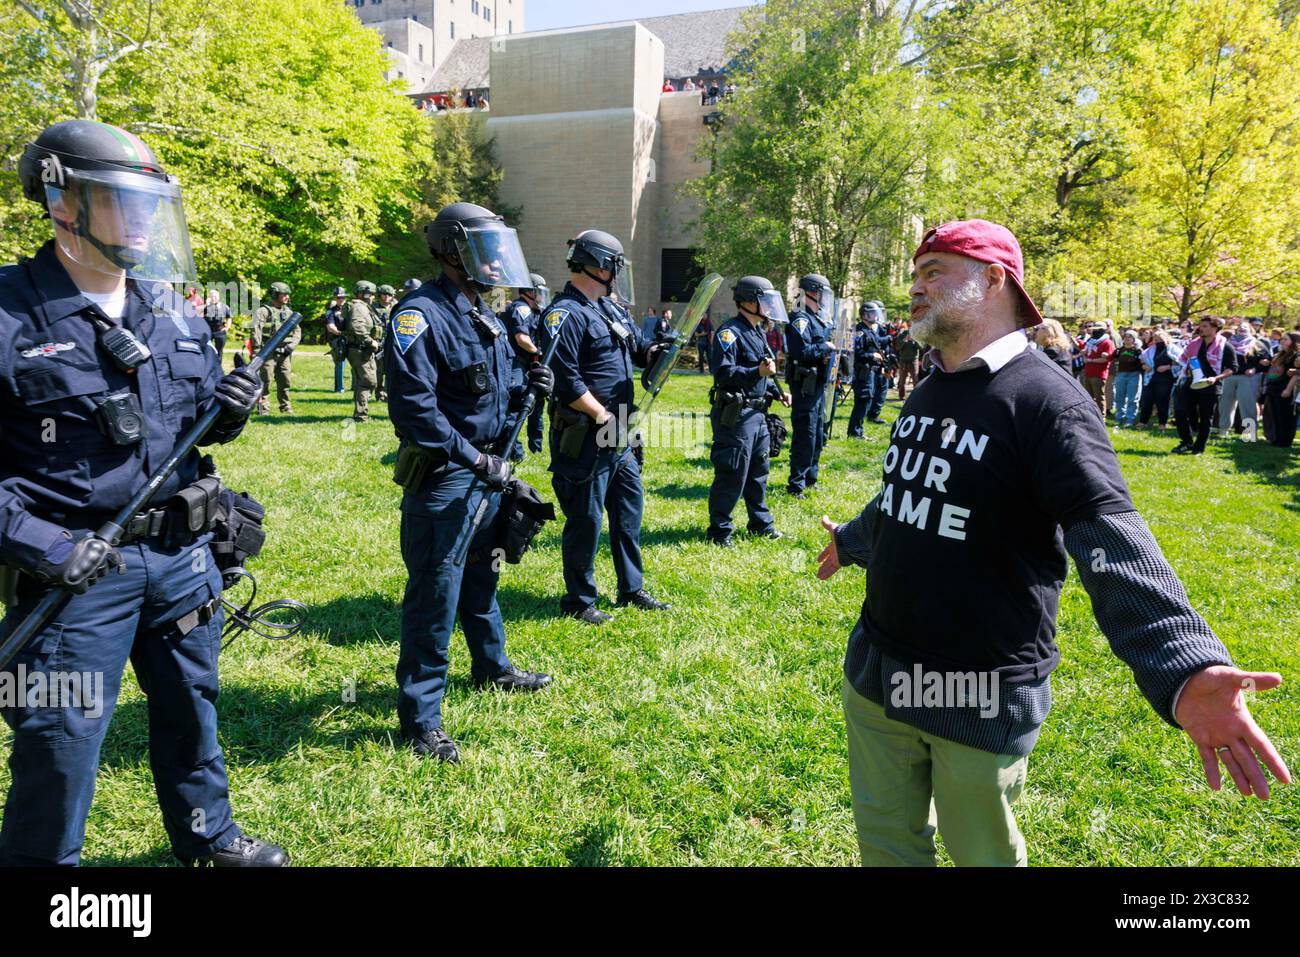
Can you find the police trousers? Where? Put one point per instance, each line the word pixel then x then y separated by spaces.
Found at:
pixel 740 467
pixel 806 439
pixel 868 397
pixel 436 518
pixel 59 727
pixel 615 487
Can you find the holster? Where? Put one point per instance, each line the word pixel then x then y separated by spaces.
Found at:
pixel 192 510
pixel 238 534
pixel 413 466
pixel 569 430
pixel 525 514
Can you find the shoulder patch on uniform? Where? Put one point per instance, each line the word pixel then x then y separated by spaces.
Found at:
pixel 727 337
pixel 554 318
pixel 408 325
pixel 801 324
pixel 524 311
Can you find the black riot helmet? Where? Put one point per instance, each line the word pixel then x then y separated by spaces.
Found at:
pixel 487 250
pixel 113 206
pixel 541 292
pixel 820 286
pixel 760 291
pixel 410 285
pixel 600 250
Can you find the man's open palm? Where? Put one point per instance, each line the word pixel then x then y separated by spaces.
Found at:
pixel 1212 710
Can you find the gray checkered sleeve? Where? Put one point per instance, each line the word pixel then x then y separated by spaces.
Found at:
pixel 1141 606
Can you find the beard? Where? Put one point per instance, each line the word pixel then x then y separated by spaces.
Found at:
pixel 945 319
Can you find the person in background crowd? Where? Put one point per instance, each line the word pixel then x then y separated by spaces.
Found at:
pixel 650 323
pixel 1158 385
pixel 1279 391
pixel 1127 370
pixel 668 87
pixel 1241 391
pixel 1097 351
pixel 775 342
pixel 664 330
pixel 334 333
pixel 704 338
pixel 1050 336
pixel 908 351
pixel 690 85
pixel 217 315
pixel 1275 340
pixel 1196 402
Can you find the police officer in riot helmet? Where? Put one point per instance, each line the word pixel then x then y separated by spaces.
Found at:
pixel 593 469
pixel 808 358
pixel 744 386
pixel 520 319
pixel 450 394
pixel 105 367
pixel 872 350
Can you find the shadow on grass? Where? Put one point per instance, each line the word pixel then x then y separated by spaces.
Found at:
pixel 1270 464
pixel 676 490
pixel 294 418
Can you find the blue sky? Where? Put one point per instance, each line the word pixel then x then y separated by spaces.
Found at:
pixel 549 14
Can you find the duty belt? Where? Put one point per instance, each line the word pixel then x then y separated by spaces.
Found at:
pixel 187 514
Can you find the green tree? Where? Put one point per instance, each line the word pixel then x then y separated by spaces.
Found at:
pixel 1212 117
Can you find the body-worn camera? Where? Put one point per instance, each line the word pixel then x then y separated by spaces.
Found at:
pixel 477 380
pixel 122 418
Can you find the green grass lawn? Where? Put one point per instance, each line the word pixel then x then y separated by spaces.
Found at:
pixel 711 734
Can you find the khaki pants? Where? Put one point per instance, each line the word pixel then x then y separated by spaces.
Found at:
pixel 903 780
pixel 363 380
pixel 1097 389
pixel 280 370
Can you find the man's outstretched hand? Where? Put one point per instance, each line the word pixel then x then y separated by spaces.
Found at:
pixel 828 562
pixel 1212 710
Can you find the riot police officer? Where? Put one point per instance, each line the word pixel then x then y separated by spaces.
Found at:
pixel 267 320
pixel 102 368
pixel 383 308
pixel 450 396
pixel 744 385
pixel 361 329
pixel 593 469
pixel 410 286
pixel 872 348
pixel 520 318
pixel 808 356
pixel 334 338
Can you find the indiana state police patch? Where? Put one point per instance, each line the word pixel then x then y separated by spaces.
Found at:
pixel 408 325
pixel 727 337
pixel 554 319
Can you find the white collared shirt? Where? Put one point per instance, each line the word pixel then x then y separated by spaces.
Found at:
pixel 994 355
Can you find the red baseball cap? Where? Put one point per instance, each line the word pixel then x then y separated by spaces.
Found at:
pixel 984 242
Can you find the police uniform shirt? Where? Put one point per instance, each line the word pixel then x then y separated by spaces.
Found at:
pixel 737 351
pixel 805 343
pixel 59 465
pixel 520 317
pixel 448 376
pixel 867 340
pixel 598 345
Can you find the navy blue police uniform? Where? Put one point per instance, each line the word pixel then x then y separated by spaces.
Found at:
pixel 868 374
pixel 740 450
pixel 450 392
pixel 62 471
pixel 598 346
pixel 808 351
pixel 520 317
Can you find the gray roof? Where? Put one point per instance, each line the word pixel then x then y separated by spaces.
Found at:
pixel 694 43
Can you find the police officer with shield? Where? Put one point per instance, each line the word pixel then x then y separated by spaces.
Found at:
pixel 593 470
pixel 450 368
pixel 808 356
pixel 872 348
pixel 520 318
pixel 267 320
pixel 103 367
pixel 744 385
pixel 361 329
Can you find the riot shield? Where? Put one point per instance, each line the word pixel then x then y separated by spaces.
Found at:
pixel 842 341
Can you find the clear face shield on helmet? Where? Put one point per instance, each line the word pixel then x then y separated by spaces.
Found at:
pixel 822 303
pixel 543 297
pixel 114 222
pixel 772 306
pixel 492 256
pixel 624 288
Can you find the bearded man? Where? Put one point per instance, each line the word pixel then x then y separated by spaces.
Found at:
pixel 999 465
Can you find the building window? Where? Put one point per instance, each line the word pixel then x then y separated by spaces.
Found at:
pixel 453 29
pixel 421 52
pixel 679 272
pixel 510 26
pixel 487 14
pixel 473 6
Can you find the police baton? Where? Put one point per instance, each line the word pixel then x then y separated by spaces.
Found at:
pixel 52 602
pixel 507 443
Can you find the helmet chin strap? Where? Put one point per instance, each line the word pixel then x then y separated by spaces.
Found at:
pixel 123 257
pixel 608 284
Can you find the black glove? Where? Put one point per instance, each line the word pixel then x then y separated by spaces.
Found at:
pixel 541 380
pixel 653 352
pixel 493 470
pixel 238 392
pixel 78 565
